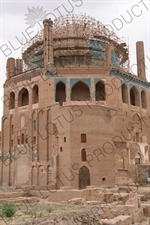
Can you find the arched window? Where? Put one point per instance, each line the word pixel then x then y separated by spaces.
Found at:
pixel 134 97
pixel 100 91
pixel 34 140
pixel 60 93
pixel 137 137
pixel 35 94
pixel 41 169
pixel 143 100
pixel 83 155
pixel 148 175
pixel 12 143
pixel 22 138
pixel 83 138
pixel 137 159
pixel 12 129
pixel 18 141
pixel 12 100
pixel 80 91
pixel 23 97
pixel 124 91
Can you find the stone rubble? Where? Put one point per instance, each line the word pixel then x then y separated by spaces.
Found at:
pixel 101 207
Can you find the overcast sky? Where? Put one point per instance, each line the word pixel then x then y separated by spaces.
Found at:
pixel 115 13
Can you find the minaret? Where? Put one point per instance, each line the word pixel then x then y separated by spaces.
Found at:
pixel 140 60
pixel 48 42
pixel 10 67
pixel 19 66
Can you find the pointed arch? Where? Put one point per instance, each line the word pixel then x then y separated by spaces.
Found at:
pixel 49 173
pixel 5 134
pixel 136 119
pixel 136 126
pixel 60 93
pixel 42 176
pixel 134 97
pixel 84 177
pixel 83 155
pixel 34 176
pixel 143 100
pixel 12 100
pixel 124 92
pixel 100 91
pixel 23 97
pixel 80 91
pixel 35 94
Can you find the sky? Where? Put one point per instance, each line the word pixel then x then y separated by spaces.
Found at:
pixel 129 19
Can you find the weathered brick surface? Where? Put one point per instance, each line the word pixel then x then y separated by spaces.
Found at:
pixel 41 141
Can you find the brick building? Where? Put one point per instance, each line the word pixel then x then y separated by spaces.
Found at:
pixel 73 113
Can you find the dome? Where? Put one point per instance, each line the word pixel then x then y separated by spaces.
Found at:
pixel 78 40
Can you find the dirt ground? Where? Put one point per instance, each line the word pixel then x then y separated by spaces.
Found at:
pixel 44 210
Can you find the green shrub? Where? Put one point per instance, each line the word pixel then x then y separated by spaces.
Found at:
pixel 31 212
pixel 49 209
pixel 8 209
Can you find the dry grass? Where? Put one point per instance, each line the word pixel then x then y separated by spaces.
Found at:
pixel 26 212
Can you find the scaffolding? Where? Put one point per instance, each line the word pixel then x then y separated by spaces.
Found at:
pixel 77 39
